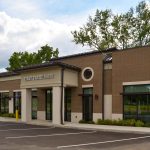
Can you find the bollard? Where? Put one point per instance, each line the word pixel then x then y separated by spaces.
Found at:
pixel 17 115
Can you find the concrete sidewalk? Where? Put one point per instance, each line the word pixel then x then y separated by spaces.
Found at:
pixel 96 127
pixel 110 128
pixel 126 129
pixel 85 126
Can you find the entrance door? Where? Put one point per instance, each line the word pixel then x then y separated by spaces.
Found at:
pixel 17 102
pixel 88 104
pixel 34 104
pixel 49 104
pixel 68 104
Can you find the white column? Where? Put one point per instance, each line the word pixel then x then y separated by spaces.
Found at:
pixel 11 105
pixel 41 115
pixel 107 106
pixel 56 118
pixel 26 105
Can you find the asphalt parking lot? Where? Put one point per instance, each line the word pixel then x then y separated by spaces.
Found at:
pixel 19 136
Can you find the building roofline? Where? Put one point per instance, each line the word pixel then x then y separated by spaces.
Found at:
pixel 48 64
pixel 114 49
pixel 131 48
pixel 52 62
pixel 86 53
pixel 8 74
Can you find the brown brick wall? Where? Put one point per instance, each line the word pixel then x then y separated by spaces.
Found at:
pixel 41 99
pixel 94 61
pixel 10 85
pixel 128 66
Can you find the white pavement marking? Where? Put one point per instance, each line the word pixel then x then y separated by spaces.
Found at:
pixel 103 142
pixel 49 135
pixel 26 129
pixel 9 125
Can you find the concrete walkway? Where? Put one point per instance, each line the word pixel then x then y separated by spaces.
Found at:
pixel 86 126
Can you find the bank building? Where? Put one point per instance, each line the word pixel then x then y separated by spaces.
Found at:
pixel 110 84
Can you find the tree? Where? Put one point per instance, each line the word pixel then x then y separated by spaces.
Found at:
pixel 21 59
pixel 142 32
pixel 96 33
pixel 106 30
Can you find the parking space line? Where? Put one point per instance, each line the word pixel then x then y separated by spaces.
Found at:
pixel 103 142
pixel 49 135
pixel 26 129
pixel 9 125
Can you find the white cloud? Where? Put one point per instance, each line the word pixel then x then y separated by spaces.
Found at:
pixel 2 70
pixel 18 35
pixel 22 8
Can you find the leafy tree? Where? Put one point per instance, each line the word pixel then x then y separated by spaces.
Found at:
pixel 125 30
pixel 21 59
pixel 142 32
pixel 96 33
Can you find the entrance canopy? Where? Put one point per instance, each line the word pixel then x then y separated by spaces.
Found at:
pixel 48 75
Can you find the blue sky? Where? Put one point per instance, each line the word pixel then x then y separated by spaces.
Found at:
pixel 30 24
pixel 55 8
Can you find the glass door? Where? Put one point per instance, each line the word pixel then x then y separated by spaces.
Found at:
pixel 49 104
pixel 34 104
pixel 88 104
pixel 68 104
pixel 17 102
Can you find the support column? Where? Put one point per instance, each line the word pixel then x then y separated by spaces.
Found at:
pixel 26 105
pixel 11 105
pixel 57 105
pixel 108 106
pixel 11 102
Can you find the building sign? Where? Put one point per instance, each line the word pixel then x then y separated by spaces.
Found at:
pixel 39 77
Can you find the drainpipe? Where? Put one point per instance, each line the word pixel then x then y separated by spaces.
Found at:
pixel 103 88
pixel 62 95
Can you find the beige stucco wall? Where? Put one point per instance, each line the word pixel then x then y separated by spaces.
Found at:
pixel 55 81
pixel 70 78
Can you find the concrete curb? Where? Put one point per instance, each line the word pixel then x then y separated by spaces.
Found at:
pixel 122 129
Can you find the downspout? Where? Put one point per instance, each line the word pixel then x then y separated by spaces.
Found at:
pixel 103 87
pixel 62 95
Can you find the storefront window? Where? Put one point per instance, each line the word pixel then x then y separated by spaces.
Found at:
pixel 137 102
pixel 137 88
pixel 4 102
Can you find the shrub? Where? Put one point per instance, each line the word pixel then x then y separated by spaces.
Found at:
pixel 82 121
pixel 88 122
pixel 139 123
pixel 119 122
pixel 100 121
pixel 11 115
pixel 147 124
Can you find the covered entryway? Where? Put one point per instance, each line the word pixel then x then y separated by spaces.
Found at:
pixel 53 77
